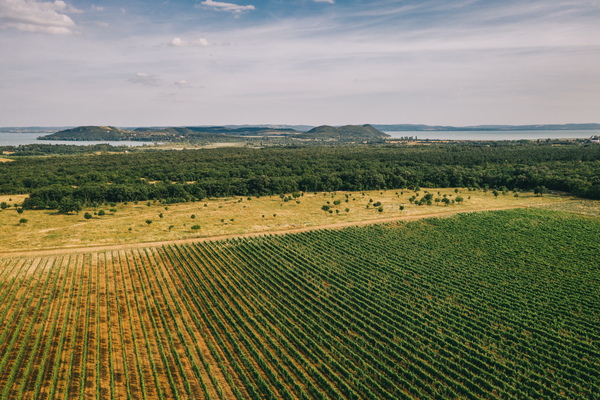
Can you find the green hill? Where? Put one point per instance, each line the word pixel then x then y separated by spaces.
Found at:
pixel 90 133
pixel 347 133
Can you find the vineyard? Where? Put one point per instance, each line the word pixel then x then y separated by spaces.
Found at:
pixel 476 306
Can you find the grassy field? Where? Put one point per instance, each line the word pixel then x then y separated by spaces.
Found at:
pixel 487 305
pixel 232 216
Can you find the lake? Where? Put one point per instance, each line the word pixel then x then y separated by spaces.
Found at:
pixel 16 139
pixel 494 135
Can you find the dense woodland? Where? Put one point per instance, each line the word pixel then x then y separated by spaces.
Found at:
pixel 176 176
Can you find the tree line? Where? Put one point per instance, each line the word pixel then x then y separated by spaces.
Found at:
pixel 176 176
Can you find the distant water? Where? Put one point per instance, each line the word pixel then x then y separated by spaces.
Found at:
pixel 16 139
pixel 494 135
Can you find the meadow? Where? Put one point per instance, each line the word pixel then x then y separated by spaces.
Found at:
pixel 499 304
pixel 126 223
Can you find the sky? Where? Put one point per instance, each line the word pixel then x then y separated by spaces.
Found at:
pixel 313 62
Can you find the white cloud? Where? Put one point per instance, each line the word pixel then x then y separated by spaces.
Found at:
pixel 146 79
pixel 324 1
pixel 38 17
pixel 97 8
pixel 178 42
pixel 221 6
pixel 183 84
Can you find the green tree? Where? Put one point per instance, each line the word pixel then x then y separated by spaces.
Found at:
pixel 67 204
pixel 87 215
pixel 540 190
pixel 4 205
pixel 148 221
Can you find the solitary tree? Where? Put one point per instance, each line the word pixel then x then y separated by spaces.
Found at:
pixel 87 215
pixel 540 190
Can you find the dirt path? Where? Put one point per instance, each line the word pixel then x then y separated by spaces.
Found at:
pixel 339 225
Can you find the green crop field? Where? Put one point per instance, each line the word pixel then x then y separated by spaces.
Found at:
pixel 501 304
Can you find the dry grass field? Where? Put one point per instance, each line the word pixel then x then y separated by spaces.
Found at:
pixel 46 229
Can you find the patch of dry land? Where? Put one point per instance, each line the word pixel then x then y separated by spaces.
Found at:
pixel 144 222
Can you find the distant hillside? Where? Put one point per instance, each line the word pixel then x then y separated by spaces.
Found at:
pixel 169 134
pixel 90 133
pixel 347 133
pixel 555 127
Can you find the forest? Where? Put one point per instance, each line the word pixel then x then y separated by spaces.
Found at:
pixel 176 176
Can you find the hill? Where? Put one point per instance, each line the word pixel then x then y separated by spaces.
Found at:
pixel 90 133
pixel 347 133
pixel 164 134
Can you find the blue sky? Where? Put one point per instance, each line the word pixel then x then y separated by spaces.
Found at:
pixel 299 62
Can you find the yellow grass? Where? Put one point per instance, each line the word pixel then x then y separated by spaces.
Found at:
pixel 2 159
pixel 47 229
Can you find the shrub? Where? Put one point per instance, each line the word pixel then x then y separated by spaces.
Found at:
pixel 380 209
pixel 101 213
pixel 195 227
pixel 23 221
pixel 87 215
pixel 148 221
